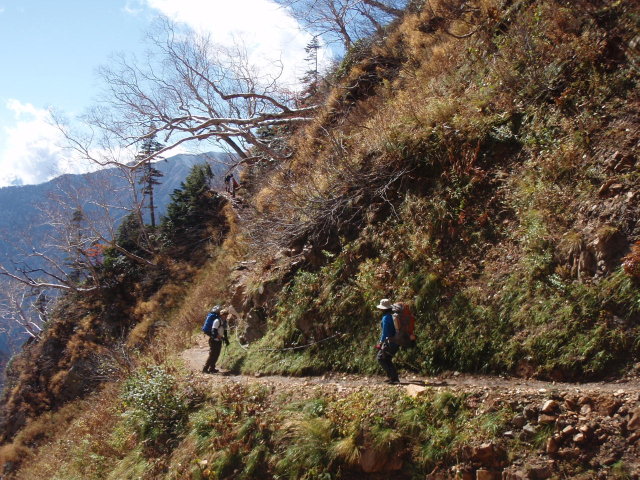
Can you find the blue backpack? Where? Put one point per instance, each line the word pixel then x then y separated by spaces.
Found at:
pixel 208 322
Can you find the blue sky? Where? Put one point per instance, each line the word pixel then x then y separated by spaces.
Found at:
pixel 50 50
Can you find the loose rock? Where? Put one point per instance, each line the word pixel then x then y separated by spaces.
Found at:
pixel 550 406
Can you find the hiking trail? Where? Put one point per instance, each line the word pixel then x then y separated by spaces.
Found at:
pixel 195 358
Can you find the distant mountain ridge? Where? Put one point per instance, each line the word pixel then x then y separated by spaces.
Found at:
pixel 20 205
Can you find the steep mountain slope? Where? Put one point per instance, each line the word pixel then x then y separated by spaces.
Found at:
pixel 478 160
pixel 489 180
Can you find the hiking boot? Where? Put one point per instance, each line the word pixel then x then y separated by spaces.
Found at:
pixel 392 381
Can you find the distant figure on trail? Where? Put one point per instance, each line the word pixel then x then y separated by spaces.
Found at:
pixel 387 348
pixel 230 184
pixel 215 326
pixel 227 183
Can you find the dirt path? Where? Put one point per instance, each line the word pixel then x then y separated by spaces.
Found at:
pixel 195 358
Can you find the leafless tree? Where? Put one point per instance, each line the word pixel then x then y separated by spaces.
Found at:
pixel 79 224
pixel 25 308
pixel 188 89
pixel 344 21
pixel 100 212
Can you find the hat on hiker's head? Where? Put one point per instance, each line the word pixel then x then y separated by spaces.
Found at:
pixel 215 309
pixel 385 304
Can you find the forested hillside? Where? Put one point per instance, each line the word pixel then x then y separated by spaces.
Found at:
pixel 477 160
pixel 29 223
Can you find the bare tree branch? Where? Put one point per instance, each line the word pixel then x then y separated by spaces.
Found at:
pixel 344 21
pixel 189 89
pixel 25 307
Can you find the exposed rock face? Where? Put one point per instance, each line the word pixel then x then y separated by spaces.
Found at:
pixel 255 289
pixel 254 326
pixel 250 305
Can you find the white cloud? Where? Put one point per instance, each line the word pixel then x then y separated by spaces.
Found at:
pixel 132 8
pixel 269 33
pixel 32 153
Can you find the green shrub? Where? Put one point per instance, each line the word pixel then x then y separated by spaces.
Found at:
pixel 155 406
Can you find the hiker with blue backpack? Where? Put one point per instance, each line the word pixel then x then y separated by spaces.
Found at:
pixel 387 348
pixel 398 330
pixel 215 327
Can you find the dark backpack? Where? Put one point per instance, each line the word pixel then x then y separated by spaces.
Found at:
pixel 405 324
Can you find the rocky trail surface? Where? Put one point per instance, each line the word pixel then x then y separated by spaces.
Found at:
pixel 589 430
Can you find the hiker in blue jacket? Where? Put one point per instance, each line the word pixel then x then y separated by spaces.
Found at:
pixel 215 326
pixel 387 348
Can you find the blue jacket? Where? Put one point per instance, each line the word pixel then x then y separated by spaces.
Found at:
pixel 208 322
pixel 388 328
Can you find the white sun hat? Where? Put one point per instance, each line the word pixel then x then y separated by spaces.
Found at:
pixel 385 304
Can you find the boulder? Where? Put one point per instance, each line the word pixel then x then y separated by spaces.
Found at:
pixel 531 413
pixel 570 404
pixel 553 445
pixel 519 421
pixel 609 406
pixel 633 438
pixel 372 462
pixel 463 472
pixel 488 455
pixel 580 438
pixel 547 419
pixel 414 390
pixel 539 472
pixel 586 409
pixel 514 475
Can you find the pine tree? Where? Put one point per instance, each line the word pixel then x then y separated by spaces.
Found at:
pixel 150 174
pixel 311 76
pixel 128 237
pixel 193 210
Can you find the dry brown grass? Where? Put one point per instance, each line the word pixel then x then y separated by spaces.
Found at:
pixel 366 115
pixel 49 443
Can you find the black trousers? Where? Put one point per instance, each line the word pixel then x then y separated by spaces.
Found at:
pixel 215 346
pixel 385 359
